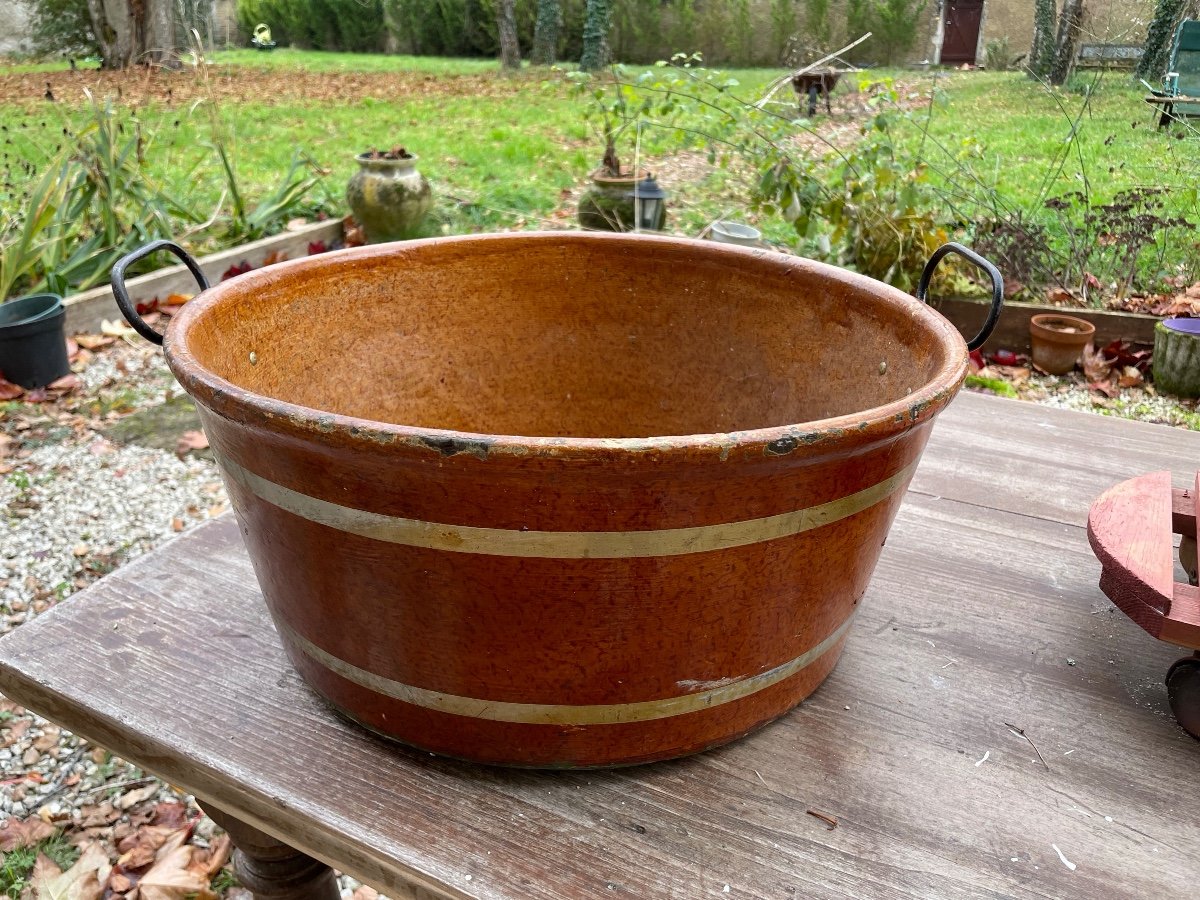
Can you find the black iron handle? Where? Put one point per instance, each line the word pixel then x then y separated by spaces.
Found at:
pixel 127 306
pixel 993 273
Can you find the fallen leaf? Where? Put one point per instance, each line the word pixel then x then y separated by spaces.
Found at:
pixel 1095 367
pixel 136 796
pixel 93 341
pixel 191 440
pixel 170 815
pixel 72 349
pixel 1130 377
pixel 66 384
pixel 80 550
pixel 117 329
pixel 50 737
pixel 6 443
pixel 276 256
pixel 140 848
pixel 83 881
pixel 169 878
pixel 207 863
pixel 237 269
pixel 8 390
pixel 98 816
pixel 177 524
pixel 16 833
pixel 119 882
pixel 365 893
pixel 1059 295
pixel 177 299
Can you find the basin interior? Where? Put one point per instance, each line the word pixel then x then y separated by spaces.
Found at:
pixel 574 336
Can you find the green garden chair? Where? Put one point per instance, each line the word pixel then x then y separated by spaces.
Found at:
pixel 1180 94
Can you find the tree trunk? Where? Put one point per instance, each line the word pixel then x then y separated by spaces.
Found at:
pixel 506 20
pixel 133 31
pixel 595 35
pixel 1159 36
pixel 1041 53
pixel 545 32
pixel 1067 45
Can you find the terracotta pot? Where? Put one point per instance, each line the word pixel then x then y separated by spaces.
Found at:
pixel 389 198
pixel 608 204
pixel 1058 341
pixel 564 499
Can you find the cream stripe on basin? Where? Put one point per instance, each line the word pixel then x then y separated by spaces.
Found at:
pixel 560 713
pixel 562 544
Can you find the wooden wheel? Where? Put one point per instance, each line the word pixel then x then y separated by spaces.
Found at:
pixel 1183 693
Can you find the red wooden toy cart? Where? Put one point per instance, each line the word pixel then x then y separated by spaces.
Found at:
pixel 1130 527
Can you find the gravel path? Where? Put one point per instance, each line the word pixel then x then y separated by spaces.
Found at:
pixel 77 502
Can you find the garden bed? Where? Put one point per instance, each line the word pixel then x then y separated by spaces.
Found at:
pixel 86 312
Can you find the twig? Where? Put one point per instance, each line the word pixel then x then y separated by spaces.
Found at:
pixel 1021 732
pixel 763 780
pixel 116 786
pixel 780 82
pixel 824 817
pixel 56 786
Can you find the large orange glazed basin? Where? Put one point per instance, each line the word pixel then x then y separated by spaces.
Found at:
pixel 563 499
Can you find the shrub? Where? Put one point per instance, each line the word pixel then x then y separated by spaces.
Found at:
pixel 61 27
pixel 354 25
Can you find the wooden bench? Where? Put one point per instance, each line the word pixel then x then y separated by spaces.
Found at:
pixel 996 727
pixel 1108 56
pixel 1167 105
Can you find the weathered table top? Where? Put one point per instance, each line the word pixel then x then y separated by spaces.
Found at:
pixel 986 590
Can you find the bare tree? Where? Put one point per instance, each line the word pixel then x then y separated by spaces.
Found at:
pixel 596 24
pixel 545 32
pixel 506 20
pixel 1041 52
pixel 1067 45
pixel 133 31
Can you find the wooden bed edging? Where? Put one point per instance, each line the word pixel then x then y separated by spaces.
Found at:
pixel 1012 331
pixel 87 310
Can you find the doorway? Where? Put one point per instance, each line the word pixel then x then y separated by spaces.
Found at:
pixel 960 41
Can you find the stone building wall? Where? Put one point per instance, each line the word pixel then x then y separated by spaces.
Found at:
pixel 14 27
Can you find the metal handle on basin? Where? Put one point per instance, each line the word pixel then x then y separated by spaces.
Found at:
pixel 993 273
pixel 127 306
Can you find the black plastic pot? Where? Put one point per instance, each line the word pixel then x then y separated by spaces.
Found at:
pixel 33 350
pixel 26 309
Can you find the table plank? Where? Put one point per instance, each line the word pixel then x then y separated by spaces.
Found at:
pixel 1045 462
pixel 969 624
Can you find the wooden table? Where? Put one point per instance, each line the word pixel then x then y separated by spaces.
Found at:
pixel 984 611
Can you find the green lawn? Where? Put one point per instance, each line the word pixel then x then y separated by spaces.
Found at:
pixel 501 150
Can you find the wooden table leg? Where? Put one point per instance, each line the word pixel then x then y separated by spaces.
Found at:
pixel 270 869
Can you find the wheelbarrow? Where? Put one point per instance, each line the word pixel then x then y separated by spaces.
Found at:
pixel 1130 528
pixel 813 84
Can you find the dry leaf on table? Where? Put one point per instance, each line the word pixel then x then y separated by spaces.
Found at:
pixel 83 881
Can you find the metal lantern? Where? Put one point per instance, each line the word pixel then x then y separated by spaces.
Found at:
pixel 649 205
